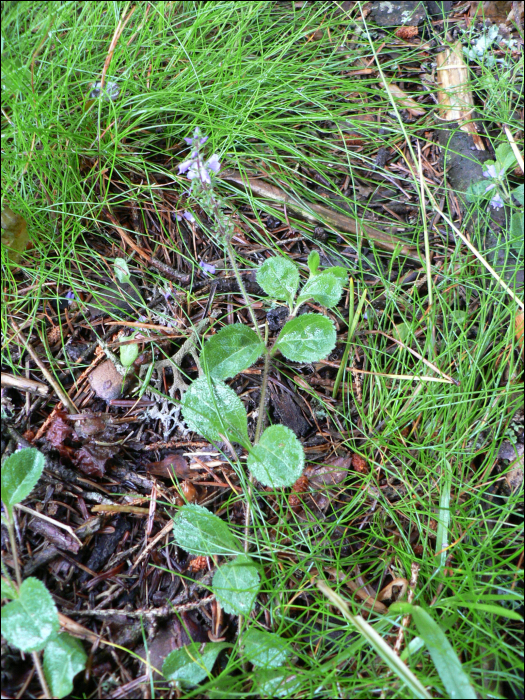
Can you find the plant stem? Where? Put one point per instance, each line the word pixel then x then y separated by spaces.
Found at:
pixel 18 576
pixel 40 674
pixel 12 542
pixel 247 301
pixel 262 400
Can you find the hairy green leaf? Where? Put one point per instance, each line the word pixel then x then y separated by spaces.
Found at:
pixel 64 657
pixel 279 278
pixel 307 338
pixel 129 353
pixel 190 666
pixel 20 473
pixel 8 589
pixel 313 261
pixel 278 458
pixel 265 649
pixel 236 585
pixel 212 409
pixel 200 532
pixel 443 655
pixel 122 272
pixel 29 621
pixel 277 683
pixel 233 349
pixel 324 288
pixel 505 156
pixel 517 193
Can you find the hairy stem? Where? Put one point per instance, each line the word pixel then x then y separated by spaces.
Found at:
pixel 262 401
pixel 12 542
pixel 244 293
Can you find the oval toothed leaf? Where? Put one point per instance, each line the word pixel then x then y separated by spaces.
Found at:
pixel 307 338
pixel 230 351
pixel 278 458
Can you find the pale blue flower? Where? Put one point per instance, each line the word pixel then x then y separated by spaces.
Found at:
pixel 490 171
pixel 213 163
pixel 207 268
pixel 496 202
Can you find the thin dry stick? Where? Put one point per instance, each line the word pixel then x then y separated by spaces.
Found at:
pixel 56 523
pixel 47 374
pixel 116 36
pixel 406 620
pixel 416 354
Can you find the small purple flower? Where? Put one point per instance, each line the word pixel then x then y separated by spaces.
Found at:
pixel 496 202
pixel 490 187
pixel 213 163
pixel 70 295
pixel 189 217
pixel 184 167
pixel 490 171
pixel 207 268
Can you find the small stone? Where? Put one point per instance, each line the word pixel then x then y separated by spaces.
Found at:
pixel 106 381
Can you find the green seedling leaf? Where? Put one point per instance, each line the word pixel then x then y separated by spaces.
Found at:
pixel 313 261
pixel 8 589
pixel 20 473
pixel 505 157
pixel 30 621
pixel 279 278
pixel 517 193
pixel 232 350
pixel 202 533
pixel 236 585
pixel 516 224
pixel 476 190
pixel 212 409
pixel 265 649
pixel 337 271
pixel 307 338
pixel 277 683
pixel 189 665
pixel 129 353
pixel 324 288
pixel 445 659
pixel 278 458
pixel 122 272
pixel 64 657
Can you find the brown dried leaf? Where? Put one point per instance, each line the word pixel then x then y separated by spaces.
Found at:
pixel 173 464
pixel 92 459
pixel 519 329
pixel 406 33
pixel 14 234
pixel 359 464
pixel 404 99
pixel 59 431
pixel 321 476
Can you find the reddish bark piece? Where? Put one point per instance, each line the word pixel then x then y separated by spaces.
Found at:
pixel 406 33
pixel 359 464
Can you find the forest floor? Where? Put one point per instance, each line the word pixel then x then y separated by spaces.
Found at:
pixel 340 128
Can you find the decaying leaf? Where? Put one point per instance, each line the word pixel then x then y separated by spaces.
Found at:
pixel 169 466
pixel 404 99
pixel 14 234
